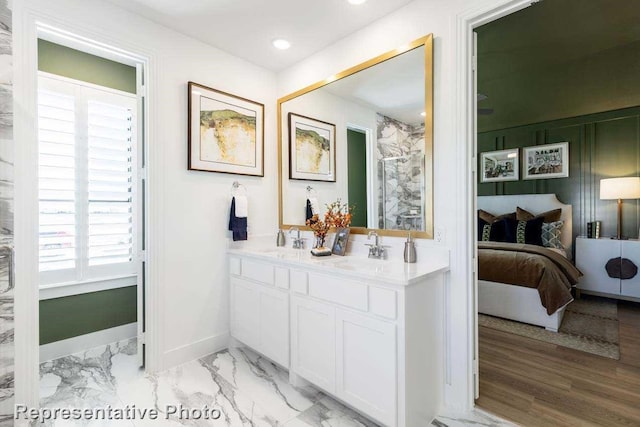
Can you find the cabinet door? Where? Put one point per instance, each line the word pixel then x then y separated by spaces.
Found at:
pixel 245 312
pixel 631 251
pixel 367 364
pixel 591 257
pixel 274 325
pixel 313 349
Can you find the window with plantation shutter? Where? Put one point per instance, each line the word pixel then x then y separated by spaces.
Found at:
pixel 87 181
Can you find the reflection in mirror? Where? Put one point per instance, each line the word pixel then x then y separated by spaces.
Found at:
pixel 366 139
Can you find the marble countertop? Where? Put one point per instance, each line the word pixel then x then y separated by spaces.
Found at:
pixel 393 272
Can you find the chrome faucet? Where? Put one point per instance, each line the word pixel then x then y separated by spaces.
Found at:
pixel 376 250
pixel 298 242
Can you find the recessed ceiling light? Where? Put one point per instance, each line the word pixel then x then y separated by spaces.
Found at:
pixel 423 114
pixel 356 2
pixel 281 44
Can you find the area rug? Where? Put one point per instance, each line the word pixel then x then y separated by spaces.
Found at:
pixel 590 324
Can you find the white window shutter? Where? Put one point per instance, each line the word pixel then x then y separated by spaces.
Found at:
pixel 57 181
pixel 87 181
pixel 110 184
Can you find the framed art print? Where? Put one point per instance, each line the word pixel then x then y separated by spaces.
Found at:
pixel 496 166
pixel 546 161
pixel 340 241
pixel 226 132
pixel 312 149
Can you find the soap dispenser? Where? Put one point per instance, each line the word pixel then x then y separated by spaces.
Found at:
pixel 409 250
pixel 280 241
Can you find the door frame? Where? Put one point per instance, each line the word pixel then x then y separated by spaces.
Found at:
pixel 28 26
pixel 466 117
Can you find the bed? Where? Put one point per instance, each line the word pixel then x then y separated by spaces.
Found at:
pixel 520 303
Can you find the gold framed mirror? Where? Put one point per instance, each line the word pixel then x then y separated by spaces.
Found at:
pixel 364 136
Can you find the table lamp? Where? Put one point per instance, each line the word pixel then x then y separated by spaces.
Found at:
pixel 620 188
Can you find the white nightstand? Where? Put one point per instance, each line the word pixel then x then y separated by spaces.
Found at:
pixel 591 257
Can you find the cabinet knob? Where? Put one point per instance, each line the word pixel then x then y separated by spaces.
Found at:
pixel 621 268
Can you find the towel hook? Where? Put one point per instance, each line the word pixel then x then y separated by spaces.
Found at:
pixel 236 186
pixel 310 190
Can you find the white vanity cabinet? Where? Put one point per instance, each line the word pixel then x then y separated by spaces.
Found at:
pixel 260 311
pixel 313 342
pixel 376 345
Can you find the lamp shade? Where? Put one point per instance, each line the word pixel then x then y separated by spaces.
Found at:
pixel 620 188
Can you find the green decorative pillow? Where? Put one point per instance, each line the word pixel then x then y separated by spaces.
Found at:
pixel 551 232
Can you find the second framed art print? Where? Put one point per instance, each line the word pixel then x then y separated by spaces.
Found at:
pixel 226 132
pixel 546 161
pixel 312 149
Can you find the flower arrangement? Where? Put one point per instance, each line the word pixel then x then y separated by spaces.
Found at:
pixel 319 228
pixel 338 215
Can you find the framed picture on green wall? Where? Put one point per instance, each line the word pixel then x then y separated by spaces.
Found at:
pixel 546 161
pixel 503 165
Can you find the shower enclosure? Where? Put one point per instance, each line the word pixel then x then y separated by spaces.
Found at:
pixel 401 204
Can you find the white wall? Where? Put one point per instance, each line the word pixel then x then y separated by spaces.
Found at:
pixel 324 106
pixel 188 209
pixel 417 19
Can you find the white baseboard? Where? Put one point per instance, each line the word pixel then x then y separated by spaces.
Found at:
pixel 73 345
pixel 198 349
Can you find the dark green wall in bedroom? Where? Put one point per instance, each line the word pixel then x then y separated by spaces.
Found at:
pixel 602 145
pixel 68 317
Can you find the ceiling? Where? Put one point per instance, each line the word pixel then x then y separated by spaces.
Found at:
pixel 553 49
pixel 555 31
pixel 246 28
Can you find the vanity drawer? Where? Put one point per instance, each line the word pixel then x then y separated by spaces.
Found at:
pixel 383 302
pixel 282 278
pixel 258 271
pixel 341 291
pixel 300 282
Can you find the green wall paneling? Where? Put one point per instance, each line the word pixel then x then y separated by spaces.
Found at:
pixel 601 145
pixel 68 317
pixel 63 61
pixel 357 176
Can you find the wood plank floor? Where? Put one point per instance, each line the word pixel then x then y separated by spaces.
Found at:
pixel 534 383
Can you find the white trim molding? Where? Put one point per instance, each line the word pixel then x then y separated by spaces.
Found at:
pixel 460 390
pixel 85 342
pixel 61 290
pixel 196 350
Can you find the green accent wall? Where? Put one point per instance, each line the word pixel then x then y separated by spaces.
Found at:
pixel 68 317
pixel 357 176
pixel 71 63
pixel 76 315
pixel 602 145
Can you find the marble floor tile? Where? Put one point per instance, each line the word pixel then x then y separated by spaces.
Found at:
pixel 247 389
pixel 263 381
pixel 476 418
pixel 330 413
pixel 77 381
